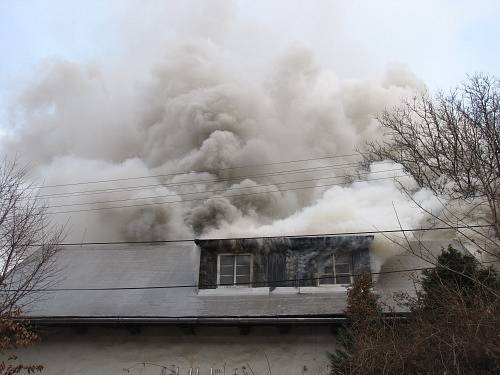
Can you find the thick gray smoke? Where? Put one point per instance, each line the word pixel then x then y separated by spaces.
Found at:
pixel 201 108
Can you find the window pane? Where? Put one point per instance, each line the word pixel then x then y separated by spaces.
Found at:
pixel 229 268
pixel 243 270
pixel 342 268
pixel 226 260
pixel 243 273
pixel 243 279
pixel 226 268
pixel 243 260
pixel 343 279
pixel 226 280
pixel 226 272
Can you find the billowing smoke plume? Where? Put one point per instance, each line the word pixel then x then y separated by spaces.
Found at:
pixel 201 109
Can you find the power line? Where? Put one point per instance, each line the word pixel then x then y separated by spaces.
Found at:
pixel 140 187
pixel 359 233
pixel 200 171
pixel 174 184
pixel 208 286
pixel 225 196
pixel 219 190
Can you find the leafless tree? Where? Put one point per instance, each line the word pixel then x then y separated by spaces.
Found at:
pixel 450 143
pixel 28 240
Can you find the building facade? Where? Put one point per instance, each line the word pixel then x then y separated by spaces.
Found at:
pixel 246 306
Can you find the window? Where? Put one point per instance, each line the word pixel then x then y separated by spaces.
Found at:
pixel 234 270
pixel 337 270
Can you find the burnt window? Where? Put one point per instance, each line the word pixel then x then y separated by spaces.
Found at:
pixel 335 270
pixel 234 270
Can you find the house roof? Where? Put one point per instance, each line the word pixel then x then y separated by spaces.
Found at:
pixel 148 269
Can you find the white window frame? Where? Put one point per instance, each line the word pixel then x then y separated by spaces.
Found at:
pixel 234 271
pixel 334 276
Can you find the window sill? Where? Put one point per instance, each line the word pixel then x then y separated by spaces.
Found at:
pixel 324 289
pixel 234 291
pixel 311 289
pixel 261 291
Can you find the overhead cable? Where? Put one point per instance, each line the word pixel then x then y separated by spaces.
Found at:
pixel 209 286
pixel 204 181
pixel 222 196
pixel 200 171
pixel 330 234
pixel 221 190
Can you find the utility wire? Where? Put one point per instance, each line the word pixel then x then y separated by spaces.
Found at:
pixel 140 187
pixel 359 233
pixel 225 196
pixel 209 286
pixel 174 184
pixel 200 171
pixel 221 190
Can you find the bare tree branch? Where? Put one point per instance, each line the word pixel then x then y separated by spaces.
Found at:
pixel 28 240
pixel 450 144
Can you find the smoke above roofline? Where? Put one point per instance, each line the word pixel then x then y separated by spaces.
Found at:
pixel 199 105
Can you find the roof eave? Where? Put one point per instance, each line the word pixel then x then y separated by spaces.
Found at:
pixel 182 321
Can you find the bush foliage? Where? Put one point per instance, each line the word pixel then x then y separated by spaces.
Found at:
pixel 452 325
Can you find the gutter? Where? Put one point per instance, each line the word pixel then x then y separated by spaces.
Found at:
pixel 197 321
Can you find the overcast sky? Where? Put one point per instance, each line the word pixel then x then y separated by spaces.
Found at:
pixel 440 41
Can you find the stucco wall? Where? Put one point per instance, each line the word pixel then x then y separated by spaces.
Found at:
pixel 303 350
